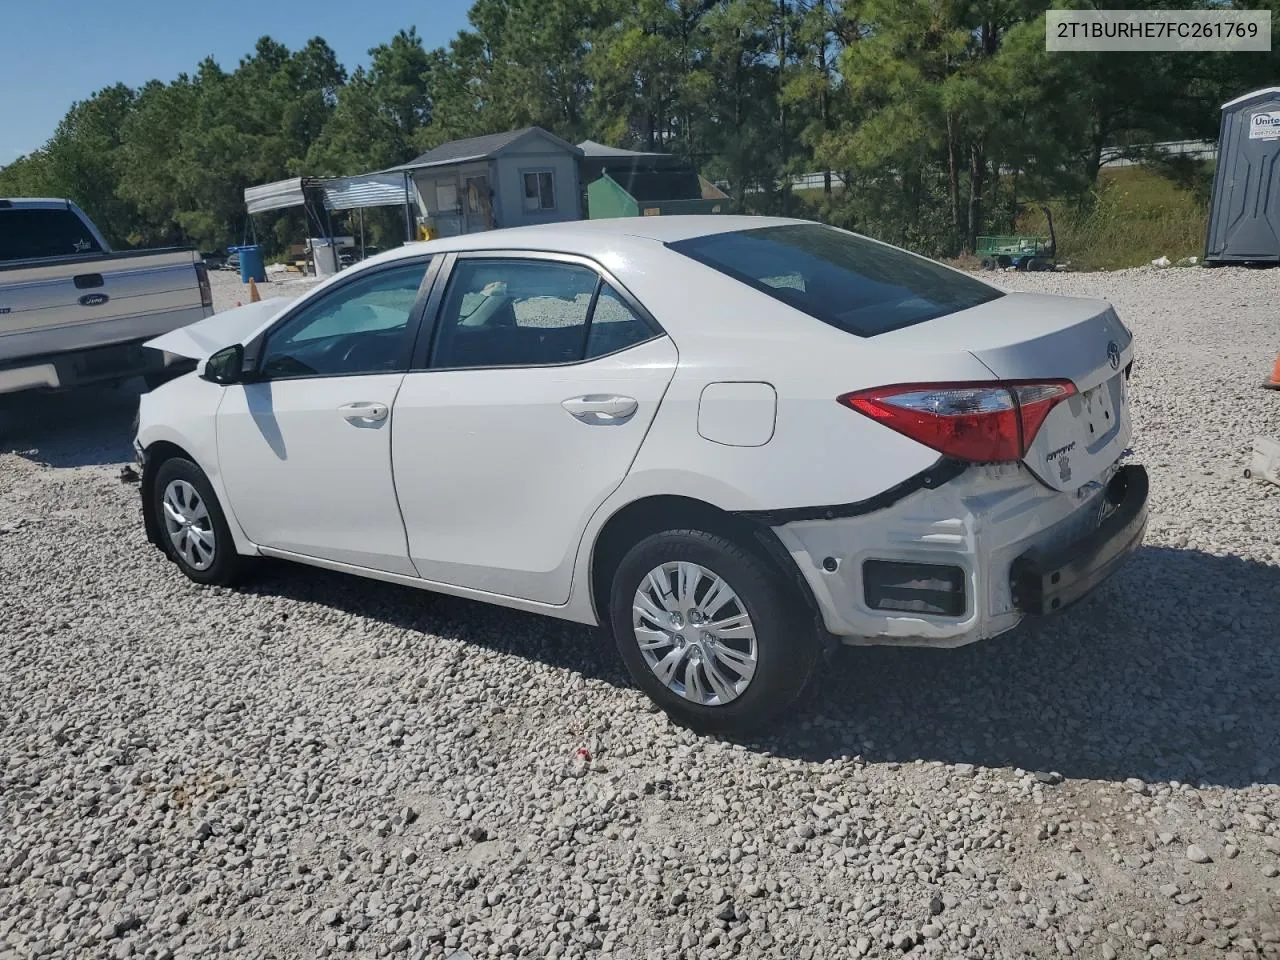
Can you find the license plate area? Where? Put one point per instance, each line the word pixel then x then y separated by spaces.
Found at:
pixel 1101 408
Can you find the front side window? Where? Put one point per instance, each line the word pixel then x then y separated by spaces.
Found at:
pixel 540 190
pixel 361 327
pixel 851 282
pixel 505 312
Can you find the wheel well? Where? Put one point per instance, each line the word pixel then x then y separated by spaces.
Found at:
pixel 157 453
pixel 652 515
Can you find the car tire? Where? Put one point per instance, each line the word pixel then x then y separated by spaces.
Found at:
pixel 194 533
pixel 726 679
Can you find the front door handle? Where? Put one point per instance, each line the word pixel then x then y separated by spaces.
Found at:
pixel 364 411
pixel 601 408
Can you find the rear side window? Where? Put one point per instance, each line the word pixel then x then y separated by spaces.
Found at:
pixel 850 282
pixel 508 312
pixel 43 232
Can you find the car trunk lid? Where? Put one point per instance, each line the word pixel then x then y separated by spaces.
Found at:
pixel 1033 337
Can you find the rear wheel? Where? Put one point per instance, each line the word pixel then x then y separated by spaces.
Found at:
pixel 192 526
pixel 709 631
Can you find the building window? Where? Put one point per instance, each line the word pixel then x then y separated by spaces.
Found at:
pixel 540 190
pixel 447 197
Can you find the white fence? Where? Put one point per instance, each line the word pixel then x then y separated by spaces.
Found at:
pixel 1195 149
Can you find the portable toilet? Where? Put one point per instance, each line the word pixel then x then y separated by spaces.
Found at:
pixel 1244 216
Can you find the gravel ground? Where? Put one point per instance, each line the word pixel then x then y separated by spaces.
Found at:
pixel 228 290
pixel 320 765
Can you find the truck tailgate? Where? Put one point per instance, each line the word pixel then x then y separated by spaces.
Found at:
pixel 77 304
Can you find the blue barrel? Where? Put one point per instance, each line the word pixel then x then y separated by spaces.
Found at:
pixel 251 265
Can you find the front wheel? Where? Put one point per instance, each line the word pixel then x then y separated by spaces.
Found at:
pixel 192 526
pixel 708 630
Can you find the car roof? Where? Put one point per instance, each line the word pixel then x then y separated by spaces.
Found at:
pixel 662 229
pixel 35 203
pixel 586 237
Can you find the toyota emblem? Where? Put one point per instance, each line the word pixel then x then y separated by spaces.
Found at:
pixel 1113 354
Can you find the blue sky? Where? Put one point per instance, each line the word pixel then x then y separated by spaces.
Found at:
pixel 58 51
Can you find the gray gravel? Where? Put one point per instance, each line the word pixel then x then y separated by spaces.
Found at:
pixel 324 766
pixel 228 290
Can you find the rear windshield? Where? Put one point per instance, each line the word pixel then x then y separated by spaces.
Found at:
pixel 850 282
pixel 30 232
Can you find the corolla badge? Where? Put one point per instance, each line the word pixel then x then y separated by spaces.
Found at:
pixel 94 299
pixel 1113 354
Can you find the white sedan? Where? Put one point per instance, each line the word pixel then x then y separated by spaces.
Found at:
pixel 734 441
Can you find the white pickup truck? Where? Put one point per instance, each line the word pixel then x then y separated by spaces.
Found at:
pixel 72 311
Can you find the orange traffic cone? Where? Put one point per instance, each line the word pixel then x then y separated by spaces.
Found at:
pixel 1274 382
pixel 254 296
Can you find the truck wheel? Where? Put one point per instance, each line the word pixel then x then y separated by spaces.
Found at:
pixel 193 529
pixel 709 632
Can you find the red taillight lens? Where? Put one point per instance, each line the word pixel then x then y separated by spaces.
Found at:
pixel 983 422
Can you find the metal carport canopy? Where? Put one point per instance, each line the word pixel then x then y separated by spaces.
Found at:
pixel 277 195
pixel 365 190
pixel 340 193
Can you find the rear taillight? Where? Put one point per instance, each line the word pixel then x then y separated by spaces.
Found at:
pixel 983 422
pixel 206 292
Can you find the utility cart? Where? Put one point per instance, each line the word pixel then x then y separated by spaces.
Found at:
pixel 1019 252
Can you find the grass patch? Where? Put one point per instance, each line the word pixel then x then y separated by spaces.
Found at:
pixel 1134 216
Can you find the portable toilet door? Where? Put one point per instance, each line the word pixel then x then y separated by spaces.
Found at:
pixel 1244 219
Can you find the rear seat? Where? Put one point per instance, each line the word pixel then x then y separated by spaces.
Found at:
pixel 482 346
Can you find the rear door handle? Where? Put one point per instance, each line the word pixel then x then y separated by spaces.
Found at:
pixel 601 408
pixel 364 411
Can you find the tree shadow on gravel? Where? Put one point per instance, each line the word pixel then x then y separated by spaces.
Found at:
pixel 1169 672
pixel 87 426
pixel 556 643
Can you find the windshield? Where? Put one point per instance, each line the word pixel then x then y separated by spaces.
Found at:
pixel 861 286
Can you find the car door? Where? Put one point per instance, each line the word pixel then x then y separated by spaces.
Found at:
pixel 523 412
pixel 305 446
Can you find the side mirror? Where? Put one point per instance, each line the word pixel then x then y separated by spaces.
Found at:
pixel 225 366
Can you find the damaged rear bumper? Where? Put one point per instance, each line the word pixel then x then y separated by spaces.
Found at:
pixel 968 559
pixel 1048 580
